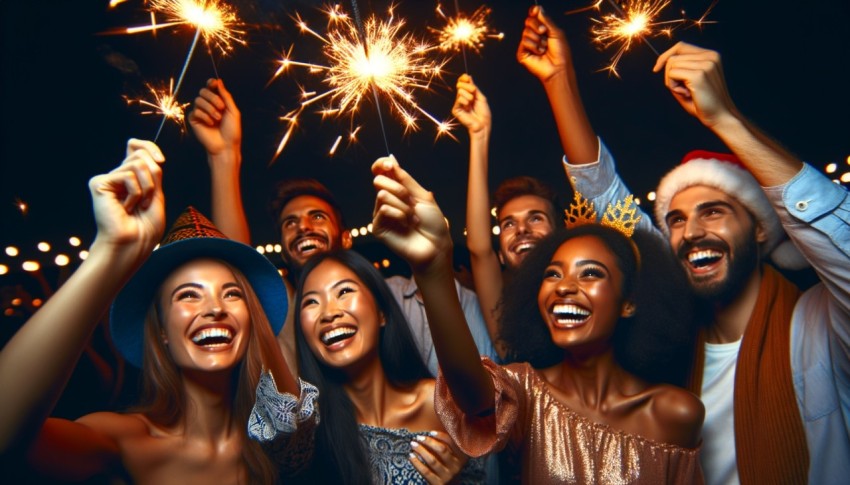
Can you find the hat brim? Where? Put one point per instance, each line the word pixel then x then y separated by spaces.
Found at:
pixel 128 311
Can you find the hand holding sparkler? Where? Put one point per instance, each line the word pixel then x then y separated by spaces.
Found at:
pixel 217 123
pixel 695 77
pixel 543 50
pixel 215 119
pixel 471 107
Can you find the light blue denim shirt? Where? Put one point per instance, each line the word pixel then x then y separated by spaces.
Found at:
pixel 815 213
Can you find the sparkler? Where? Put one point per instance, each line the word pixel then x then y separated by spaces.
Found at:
pixel 460 32
pixel 164 103
pixel 214 20
pixel 379 57
pixel 634 22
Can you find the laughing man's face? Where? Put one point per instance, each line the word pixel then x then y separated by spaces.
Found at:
pixel 309 227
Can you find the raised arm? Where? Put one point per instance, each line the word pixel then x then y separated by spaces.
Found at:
pixel 408 221
pixel 216 122
pixel 544 51
pixel 695 78
pixel 38 361
pixel 472 110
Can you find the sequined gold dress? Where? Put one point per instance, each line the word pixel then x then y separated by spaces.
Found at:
pixel 555 444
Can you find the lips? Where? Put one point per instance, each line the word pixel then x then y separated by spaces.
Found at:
pixel 309 244
pixel 213 337
pixel 704 257
pixel 333 336
pixel 569 315
pixel 523 245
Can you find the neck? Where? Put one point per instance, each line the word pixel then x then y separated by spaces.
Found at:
pixel 209 405
pixel 730 319
pixel 588 375
pixel 368 390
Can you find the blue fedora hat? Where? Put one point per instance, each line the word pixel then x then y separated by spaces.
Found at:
pixel 191 237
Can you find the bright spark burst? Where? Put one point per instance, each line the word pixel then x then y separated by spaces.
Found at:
pixel 215 20
pixel 387 59
pixel 634 23
pixel 465 32
pixel 163 103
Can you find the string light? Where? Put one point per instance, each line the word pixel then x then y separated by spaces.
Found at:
pixel 11 251
pixel 74 241
pixel 43 247
pixel 31 266
pixel 62 260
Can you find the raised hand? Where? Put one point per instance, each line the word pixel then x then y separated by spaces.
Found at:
pixel 215 119
pixel 695 78
pixel 543 49
pixel 436 457
pixel 129 205
pixel 406 217
pixel 471 107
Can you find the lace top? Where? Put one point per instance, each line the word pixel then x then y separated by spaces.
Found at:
pixel 554 443
pixel 285 425
pixel 389 451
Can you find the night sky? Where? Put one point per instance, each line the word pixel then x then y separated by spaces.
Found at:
pixel 65 120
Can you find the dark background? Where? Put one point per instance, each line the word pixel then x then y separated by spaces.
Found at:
pixel 64 118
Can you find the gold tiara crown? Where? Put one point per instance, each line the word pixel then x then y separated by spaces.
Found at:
pixel 621 216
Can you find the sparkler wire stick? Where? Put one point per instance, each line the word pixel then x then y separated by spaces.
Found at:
pixel 462 46
pixel 363 41
pixel 180 79
pixel 621 12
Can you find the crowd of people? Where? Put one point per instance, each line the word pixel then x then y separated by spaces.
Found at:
pixel 595 345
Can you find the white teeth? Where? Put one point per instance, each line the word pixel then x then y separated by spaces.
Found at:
pixel 337 334
pixel 569 313
pixel 523 247
pixel 221 334
pixel 309 244
pixel 704 256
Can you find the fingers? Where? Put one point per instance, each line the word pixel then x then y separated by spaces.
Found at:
pixel 435 458
pixel 681 48
pixel 139 177
pixel 229 103
pixel 389 167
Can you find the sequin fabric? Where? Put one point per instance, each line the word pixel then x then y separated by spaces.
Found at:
pixel 556 445
pixel 389 452
pixel 284 424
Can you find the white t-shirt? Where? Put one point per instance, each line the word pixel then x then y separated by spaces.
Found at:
pixel 718 432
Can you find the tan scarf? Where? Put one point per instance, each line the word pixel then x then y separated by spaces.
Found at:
pixel 769 437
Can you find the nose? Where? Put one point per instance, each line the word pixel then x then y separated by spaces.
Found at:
pixel 330 313
pixel 693 229
pixel 522 227
pixel 305 224
pixel 215 309
pixel 566 286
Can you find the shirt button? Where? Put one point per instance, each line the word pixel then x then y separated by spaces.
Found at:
pixel 802 205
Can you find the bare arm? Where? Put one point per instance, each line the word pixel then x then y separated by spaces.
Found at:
pixel 130 214
pixel 408 220
pixel 217 124
pixel 472 110
pixel 695 78
pixel 544 51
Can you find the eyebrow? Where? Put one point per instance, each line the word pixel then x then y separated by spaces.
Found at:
pixel 335 285
pixel 702 206
pixel 531 212
pixel 198 286
pixel 309 213
pixel 581 263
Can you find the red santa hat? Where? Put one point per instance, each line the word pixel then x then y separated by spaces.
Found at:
pixel 725 172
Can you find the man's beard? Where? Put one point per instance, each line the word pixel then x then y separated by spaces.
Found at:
pixel 741 260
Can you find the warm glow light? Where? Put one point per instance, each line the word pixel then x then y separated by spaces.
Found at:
pixel 43 247
pixel 650 196
pixel 163 103
pixel 3 269
pixel 85 254
pixel 8 312
pixel 355 232
pixel 12 251
pixel 74 241
pixel 31 266
pixel 261 249
pixel 496 230
pixel 831 168
pixel 278 248
pixel 465 32
pixel 379 60
pixel 36 302
pixel 845 177
pixel 385 263
pixel 369 227
pixel 16 302
pixel 62 260
pixel 269 248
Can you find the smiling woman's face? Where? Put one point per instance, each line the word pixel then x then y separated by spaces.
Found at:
pixel 339 317
pixel 206 320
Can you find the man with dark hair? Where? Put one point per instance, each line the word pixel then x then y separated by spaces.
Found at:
pixel 309 221
pixel 773 365
pixel 526 209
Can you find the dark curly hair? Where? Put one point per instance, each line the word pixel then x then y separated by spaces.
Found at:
pixel 339 455
pixel 515 187
pixel 655 344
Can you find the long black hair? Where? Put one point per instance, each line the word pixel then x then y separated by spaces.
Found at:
pixel 654 344
pixel 339 455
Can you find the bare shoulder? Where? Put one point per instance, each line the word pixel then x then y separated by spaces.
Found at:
pixel 117 425
pixel 679 413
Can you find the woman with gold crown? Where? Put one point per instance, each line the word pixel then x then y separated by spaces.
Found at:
pixel 198 315
pixel 582 413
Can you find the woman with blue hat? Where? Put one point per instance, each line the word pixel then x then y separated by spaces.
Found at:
pixel 198 315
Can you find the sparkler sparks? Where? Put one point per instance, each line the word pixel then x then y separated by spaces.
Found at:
pixel 382 57
pixel 164 103
pixel 465 32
